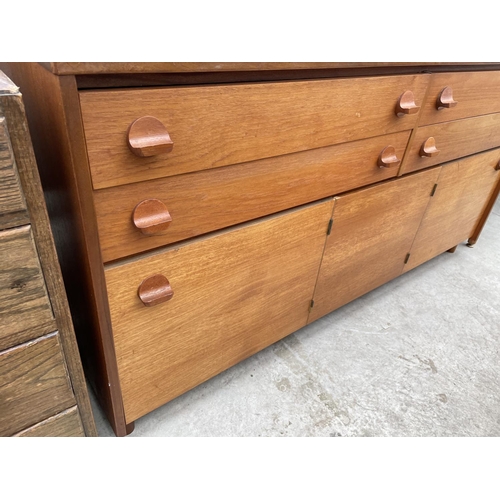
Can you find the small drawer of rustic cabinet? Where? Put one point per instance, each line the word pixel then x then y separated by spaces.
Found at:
pixel 139 134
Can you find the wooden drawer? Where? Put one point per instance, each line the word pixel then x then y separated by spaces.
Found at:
pixel 34 384
pixel 201 202
pixel 24 304
pixel 12 203
pixel 475 93
pixel 219 125
pixel 234 293
pixel 64 424
pixel 453 140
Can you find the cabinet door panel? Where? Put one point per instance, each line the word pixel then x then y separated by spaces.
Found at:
pixel 464 188
pixel 372 233
pixel 234 293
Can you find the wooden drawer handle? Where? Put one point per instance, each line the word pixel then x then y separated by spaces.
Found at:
pixel 151 217
pixel 445 99
pixel 155 290
pixel 428 148
pixel 497 166
pixel 388 158
pixel 147 136
pixel 406 104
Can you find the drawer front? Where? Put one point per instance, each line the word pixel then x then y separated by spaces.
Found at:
pixel 234 293
pixel 201 202
pixel 220 125
pixel 453 96
pixel 12 204
pixel 64 424
pixel 24 303
pixel 452 140
pixel 34 384
pixel 463 190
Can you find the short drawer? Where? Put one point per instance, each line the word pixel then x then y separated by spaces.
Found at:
pixel 12 204
pixel 188 205
pixel 34 384
pixel 443 142
pixel 182 315
pixel 64 424
pixel 453 96
pixel 25 308
pixel 203 127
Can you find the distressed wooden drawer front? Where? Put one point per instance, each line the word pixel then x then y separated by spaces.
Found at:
pixel 201 202
pixel 24 303
pixel 34 384
pixel 64 424
pixel 474 94
pixel 234 293
pixel 463 190
pixel 219 125
pixel 12 204
pixel 453 140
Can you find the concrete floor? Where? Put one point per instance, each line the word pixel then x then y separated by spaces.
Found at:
pixel 418 356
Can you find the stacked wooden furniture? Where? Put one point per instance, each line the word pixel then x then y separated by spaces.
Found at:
pixel 209 210
pixel 42 387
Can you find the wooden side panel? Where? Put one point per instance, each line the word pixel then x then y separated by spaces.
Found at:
pixel 233 294
pixel 476 93
pixel 372 232
pixel 453 140
pixel 12 204
pixel 464 188
pixel 64 424
pixel 24 303
pixel 34 384
pixel 201 202
pixel 215 126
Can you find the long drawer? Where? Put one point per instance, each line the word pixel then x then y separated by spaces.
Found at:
pixel 447 141
pixel 203 127
pixel 211 303
pixel 180 207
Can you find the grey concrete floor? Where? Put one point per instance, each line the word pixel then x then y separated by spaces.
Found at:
pixel 418 356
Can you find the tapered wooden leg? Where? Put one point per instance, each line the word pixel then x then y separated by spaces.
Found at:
pixel 129 428
pixel 452 250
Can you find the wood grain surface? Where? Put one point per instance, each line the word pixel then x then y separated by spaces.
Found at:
pixel 234 294
pixel 463 190
pixel 24 302
pixel 215 126
pixel 453 140
pixel 372 232
pixel 34 384
pixel 201 202
pixel 13 210
pixel 64 424
pixel 476 93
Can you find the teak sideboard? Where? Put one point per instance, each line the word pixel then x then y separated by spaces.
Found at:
pixel 204 211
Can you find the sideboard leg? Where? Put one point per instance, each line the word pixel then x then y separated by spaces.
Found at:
pixel 129 428
pixel 452 250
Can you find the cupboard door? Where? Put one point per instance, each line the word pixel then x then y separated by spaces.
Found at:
pixel 234 293
pixel 463 190
pixel 372 233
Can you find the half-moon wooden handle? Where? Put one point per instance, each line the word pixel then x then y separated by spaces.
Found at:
pixel 147 136
pixel 155 290
pixel 151 217
pixel 406 104
pixel 445 99
pixel 428 148
pixel 388 158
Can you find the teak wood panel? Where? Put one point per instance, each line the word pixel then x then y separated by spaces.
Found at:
pixel 64 424
pixel 453 140
pixel 372 232
pixel 463 190
pixel 24 303
pixel 201 202
pixel 13 210
pixel 476 93
pixel 34 384
pixel 234 294
pixel 215 126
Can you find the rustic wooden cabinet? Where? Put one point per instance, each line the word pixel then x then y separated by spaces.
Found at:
pixel 205 211
pixel 42 386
